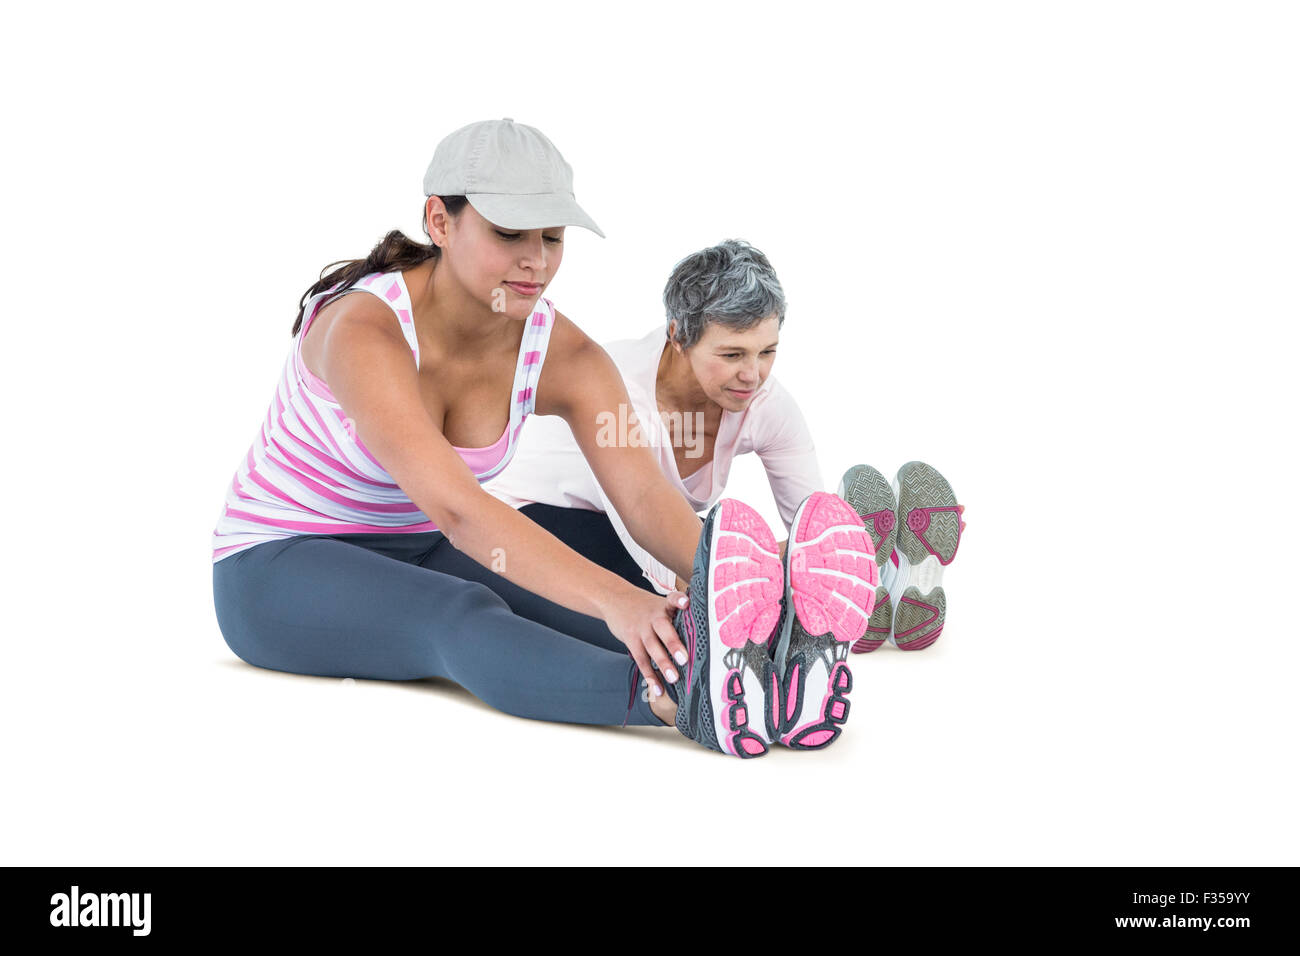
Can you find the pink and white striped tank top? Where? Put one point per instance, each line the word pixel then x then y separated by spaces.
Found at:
pixel 306 472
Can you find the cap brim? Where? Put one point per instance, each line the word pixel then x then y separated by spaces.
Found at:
pixel 532 211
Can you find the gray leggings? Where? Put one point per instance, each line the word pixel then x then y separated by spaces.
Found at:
pixel 407 606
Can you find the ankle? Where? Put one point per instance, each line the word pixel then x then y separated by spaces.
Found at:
pixel 664 708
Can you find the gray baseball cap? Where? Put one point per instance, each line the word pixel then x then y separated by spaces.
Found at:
pixel 512 174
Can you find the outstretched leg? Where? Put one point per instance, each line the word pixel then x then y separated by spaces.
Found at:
pixel 318 605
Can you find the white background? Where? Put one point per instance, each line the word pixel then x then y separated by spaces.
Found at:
pixel 1049 248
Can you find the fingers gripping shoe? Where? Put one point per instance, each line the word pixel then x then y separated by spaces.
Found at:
pixel 831 580
pixel 929 530
pixel 869 494
pixel 735 603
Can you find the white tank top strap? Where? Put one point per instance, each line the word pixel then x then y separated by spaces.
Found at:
pixel 389 287
pixel 532 353
pixel 528 370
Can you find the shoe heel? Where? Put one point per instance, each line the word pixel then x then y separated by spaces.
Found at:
pixel 834 713
pixel 919 620
pixel 879 627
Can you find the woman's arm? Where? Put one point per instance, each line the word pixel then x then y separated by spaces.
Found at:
pixel 581 383
pixel 367 364
pixel 653 570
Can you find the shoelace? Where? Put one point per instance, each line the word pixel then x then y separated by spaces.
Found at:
pixel 631 691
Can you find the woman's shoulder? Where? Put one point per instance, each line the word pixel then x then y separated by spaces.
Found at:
pixel 774 414
pixel 577 368
pixel 348 315
pixel 567 340
pixel 347 306
pixel 567 333
pixel 640 354
pixel 775 394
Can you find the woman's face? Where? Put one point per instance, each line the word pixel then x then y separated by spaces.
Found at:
pixel 730 365
pixel 506 270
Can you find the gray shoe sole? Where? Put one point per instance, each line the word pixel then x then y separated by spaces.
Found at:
pixel 929 531
pixel 871 496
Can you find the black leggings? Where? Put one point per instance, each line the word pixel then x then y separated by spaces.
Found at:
pixel 407 606
pixel 592 535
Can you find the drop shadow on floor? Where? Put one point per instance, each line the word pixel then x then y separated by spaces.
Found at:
pixel 450 689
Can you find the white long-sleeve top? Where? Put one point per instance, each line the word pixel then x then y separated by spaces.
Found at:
pixel 548 466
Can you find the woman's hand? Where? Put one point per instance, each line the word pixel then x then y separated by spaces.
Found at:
pixel 644 622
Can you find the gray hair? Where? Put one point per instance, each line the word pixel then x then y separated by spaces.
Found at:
pixel 731 283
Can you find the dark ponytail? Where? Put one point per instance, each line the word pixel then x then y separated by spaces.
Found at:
pixel 395 252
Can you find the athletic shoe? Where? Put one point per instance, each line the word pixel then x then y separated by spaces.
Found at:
pixel 929 530
pixel 735 604
pixel 831 578
pixel 868 492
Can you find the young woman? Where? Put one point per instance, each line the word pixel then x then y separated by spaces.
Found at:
pixel 356 540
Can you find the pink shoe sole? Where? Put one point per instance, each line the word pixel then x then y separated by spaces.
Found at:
pixel 744 595
pixel 833 573
pixel 832 579
pixel 746 585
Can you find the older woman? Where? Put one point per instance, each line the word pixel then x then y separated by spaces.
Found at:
pixel 701 392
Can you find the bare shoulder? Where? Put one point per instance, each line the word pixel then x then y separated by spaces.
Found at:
pixel 575 363
pixel 347 316
pixel 577 352
pixel 567 340
pixel 361 307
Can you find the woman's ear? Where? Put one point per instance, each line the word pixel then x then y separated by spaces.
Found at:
pixel 435 220
pixel 672 336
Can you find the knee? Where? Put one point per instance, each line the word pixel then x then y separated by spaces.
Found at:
pixel 470 598
pixel 235 632
pixel 236 621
